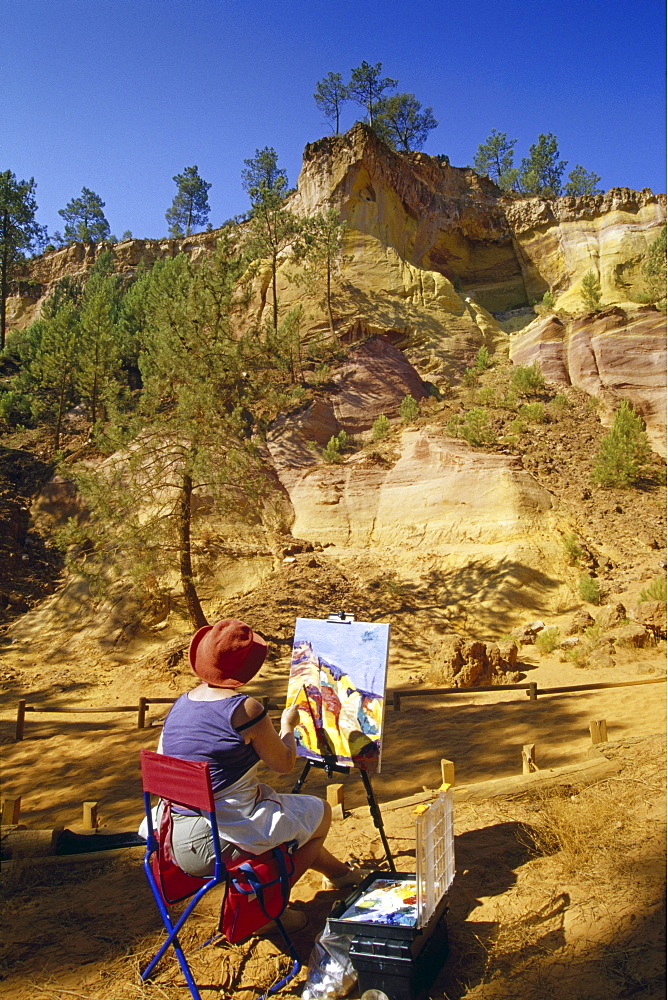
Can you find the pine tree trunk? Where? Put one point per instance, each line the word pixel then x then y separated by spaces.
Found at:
pixel 329 299
pixel 93 403
pixel 4 278
pixel 59 418
pixel 185 561
pixel 274 266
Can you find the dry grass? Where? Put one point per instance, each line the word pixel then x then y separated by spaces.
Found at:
pixel 599 865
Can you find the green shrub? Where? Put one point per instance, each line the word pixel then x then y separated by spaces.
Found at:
pixel 560 404
pixel 517 426
pixel 547 640
pixel 321 374
pixel 534 412
pixel 381 427
pixel 547 301
pixel 15 408
pixel 624 453
pixel 527 379
pixel 453 425
pixel 656 591
pixel 590 292
pixel 482 359
pixel 654 269
pixel 470 377
pixel 573 550
pixel 509 400
pixel 409 409
pixel 332 453
pixel 475 428
pixel 589 588
pixel 486 395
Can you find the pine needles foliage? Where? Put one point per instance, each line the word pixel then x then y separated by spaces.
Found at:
pixel 624 454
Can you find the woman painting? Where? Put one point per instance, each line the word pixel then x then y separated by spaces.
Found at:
pixel 217 723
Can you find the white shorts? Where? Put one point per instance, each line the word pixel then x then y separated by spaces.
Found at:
pixel 250 815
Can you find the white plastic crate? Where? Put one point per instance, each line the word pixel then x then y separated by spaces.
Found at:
pixel 435 855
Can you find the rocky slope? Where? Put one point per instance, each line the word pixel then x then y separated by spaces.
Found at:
pixel 430 249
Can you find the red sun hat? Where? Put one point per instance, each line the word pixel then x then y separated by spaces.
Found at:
pixel 227 654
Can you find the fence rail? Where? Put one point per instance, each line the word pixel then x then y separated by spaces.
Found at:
pixel 141 708
pixel 531 689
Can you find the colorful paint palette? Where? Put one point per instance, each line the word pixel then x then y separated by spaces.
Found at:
pixel 386 901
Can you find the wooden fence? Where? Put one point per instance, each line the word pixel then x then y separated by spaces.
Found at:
pixel 531 689
pixel 398 695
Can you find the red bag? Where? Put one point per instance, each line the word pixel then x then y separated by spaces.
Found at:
pixel 174 883
pixel 257 891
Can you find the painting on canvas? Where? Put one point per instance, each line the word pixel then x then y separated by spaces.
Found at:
pixel 337 681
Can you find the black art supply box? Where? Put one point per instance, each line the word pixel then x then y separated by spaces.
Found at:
pixel 402 962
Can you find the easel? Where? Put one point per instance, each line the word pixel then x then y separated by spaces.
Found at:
pixel 328 763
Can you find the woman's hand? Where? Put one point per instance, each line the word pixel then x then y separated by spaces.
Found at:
pixel 289 719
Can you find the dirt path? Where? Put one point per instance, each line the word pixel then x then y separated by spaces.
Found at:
pixel 83 930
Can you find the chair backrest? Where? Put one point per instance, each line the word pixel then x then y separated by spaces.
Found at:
pixel 184 782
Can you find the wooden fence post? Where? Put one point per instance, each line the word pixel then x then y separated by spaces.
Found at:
pixel 447 772
pixel 141 713
pixel 396 701
pixel 90 815
pixel 598 729
pixel 533 691
pixel 11 810
pixel 529 758
pixel 20 720
pixel 335 799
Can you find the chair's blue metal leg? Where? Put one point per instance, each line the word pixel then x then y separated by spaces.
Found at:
pixel 296 964
pixel 172 931
pixel 214 937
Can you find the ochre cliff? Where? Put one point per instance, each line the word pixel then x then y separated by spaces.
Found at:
pixel 431 253
pixel 615 354
pixel 504 251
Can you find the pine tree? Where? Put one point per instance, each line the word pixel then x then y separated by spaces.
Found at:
pixel 99 343
pixel 582 182
pixel 330 94
pixel 401 122
pixel 54 365
pixel 624 454
pixel 271 229
pixel 189 440
pixel 542 170
pixel 319 251
pixel 367 86
pixel 19 233
pixel 494 159
pixel 590 292
pixel 190 207
pixel 84 218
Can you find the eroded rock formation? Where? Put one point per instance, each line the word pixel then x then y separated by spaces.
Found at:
pixel 460 662
pixel 613 355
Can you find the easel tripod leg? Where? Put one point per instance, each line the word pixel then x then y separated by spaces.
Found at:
pixel 302 778
pixel 376 816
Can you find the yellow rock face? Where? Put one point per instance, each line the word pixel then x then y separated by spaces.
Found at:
pixel 607 234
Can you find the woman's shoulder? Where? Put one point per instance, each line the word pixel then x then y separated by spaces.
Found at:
pixel 247 711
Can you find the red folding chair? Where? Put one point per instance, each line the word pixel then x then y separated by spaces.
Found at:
pixel 257 887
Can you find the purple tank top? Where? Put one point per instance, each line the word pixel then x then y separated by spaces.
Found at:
pixel 203 730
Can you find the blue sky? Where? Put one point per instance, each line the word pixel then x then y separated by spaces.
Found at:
pixel 120 95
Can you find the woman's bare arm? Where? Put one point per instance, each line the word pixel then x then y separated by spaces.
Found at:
pixel 278 751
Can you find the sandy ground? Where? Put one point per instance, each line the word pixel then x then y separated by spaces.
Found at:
pixel 84 929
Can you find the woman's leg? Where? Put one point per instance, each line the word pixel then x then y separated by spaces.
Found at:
pixel 313 854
